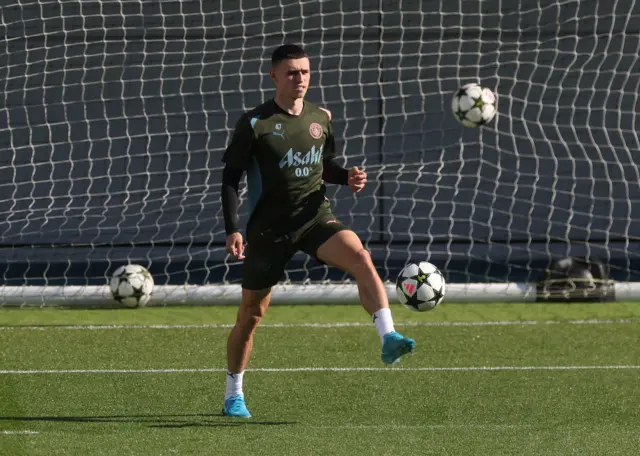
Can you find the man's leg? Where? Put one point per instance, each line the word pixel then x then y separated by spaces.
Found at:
pixel 344 250
pixel 253 306
pixel 263 266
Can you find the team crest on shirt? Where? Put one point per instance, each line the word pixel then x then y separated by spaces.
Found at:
pixel 315 130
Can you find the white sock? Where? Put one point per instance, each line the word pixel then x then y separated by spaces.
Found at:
pixel 234 384
pixel 383 321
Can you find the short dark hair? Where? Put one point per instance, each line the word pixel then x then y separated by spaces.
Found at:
pixel 286 52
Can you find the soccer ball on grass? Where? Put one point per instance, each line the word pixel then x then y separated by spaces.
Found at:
pixel 131 285
pixel 474 105
pixel 420 286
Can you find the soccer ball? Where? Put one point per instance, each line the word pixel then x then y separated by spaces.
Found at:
pixel 420 286
pixel 131 285
pixel 474 105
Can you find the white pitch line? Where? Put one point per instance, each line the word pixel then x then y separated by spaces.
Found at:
pixel 425 426
pixel 317 369
pixel 18 432
pixel 321 325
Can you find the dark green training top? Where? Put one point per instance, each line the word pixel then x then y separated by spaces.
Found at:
pixel 284 156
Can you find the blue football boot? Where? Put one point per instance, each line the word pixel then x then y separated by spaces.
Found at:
pixel 235 406
pixel 394 346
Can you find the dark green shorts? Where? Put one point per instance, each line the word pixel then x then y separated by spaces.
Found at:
pixel 268 252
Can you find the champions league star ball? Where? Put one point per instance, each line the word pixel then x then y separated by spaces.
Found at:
pixel 131 285
pixel 420 286
pixel 474 105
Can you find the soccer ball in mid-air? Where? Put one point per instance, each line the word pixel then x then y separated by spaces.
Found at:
pixel 474 105
pixel 131 285
pixel 420 286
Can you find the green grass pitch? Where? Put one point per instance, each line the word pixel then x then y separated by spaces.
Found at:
pixel 486 379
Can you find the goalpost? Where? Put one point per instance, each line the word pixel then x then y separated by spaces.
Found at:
pixel 114 117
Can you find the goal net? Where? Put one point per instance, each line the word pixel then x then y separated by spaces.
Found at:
pixel 114 117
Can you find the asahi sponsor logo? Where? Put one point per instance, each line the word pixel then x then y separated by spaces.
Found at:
pixel 301 160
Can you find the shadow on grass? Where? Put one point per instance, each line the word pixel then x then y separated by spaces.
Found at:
pixel 154 421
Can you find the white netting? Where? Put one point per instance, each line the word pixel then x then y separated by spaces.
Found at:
pixel 114 116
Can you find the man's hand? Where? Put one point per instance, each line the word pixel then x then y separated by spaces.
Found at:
pixel 357 179
pixel 235 246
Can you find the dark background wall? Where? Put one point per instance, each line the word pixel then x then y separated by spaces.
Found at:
pixel 114 116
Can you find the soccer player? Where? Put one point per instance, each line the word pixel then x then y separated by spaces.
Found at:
pixel 287 148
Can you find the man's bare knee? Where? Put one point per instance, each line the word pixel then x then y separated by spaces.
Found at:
pixel 250 318
pixel 252 308
pixel 362 264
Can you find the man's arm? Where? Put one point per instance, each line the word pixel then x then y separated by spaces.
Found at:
pixel 236 158
pixel 229 195
pixel 332 171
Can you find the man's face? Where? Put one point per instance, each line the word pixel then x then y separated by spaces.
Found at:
pixel 291 77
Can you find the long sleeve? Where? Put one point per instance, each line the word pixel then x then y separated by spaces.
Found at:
pixel 236 158
pixel 332 171
pixel 229 195
pixel 239 151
